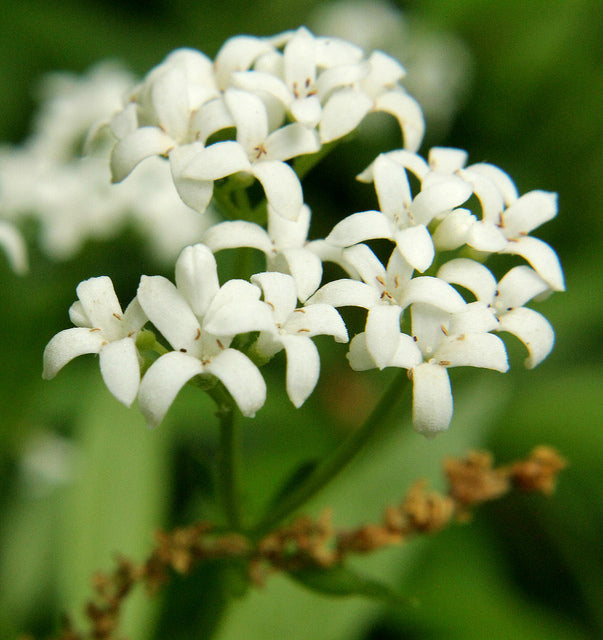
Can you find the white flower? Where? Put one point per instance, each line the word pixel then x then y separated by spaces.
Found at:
pixel 506 218
pixel 14 246
pixel 506 299
pixel 292 331
pixel 101 327
pixel 385 293
pixel 284 244
pixel 256 151
pixel 403 219
pixel 199 319
pixel 439 341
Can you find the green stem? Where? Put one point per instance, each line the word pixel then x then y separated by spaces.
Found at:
pixel 228 463
pixel 340 458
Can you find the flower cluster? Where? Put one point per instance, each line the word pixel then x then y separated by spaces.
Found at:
pixel 250 115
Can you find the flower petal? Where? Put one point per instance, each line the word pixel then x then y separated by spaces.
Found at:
pixel 433 291
pixel 342 113
pixel 305 267
pixel 528 212
pixel 13 244
pixel 454 230
pixel 408 113
pixel 518 286
pixel 241 378
pixel 197 277
pixel 434 199
pixel 279 292
pixel 101 306
pixel 542 257
pixel 162 382
pixel 291 141
pixel 135 147
pixel 250 118
pixel 483 350
pixel 382 331
pixel 217 161
pixel 432 404
pixel 67 345
pixel 346 293
pixel 167 309
pixel 282 187
pixel 357 227
pixel 120 369
pixel 237 233
pixel 303 368
pixel 358 355
pixel 317 319
pixel 416 245
pixel 197 194
pixel 471 275
pixel 533 329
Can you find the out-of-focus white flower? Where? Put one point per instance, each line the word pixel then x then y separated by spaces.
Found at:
pixel 101 327
pixel 292 331
pixel 14 246
pixel 438 64
pixel 506 301
pixel 199 319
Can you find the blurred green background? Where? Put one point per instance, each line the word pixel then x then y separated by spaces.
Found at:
pixel 81 478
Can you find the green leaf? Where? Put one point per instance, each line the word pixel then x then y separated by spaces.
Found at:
pixel 297 476
pixel 342 581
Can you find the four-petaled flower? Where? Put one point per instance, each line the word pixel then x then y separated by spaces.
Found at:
pixel 200 319
pixel 101 327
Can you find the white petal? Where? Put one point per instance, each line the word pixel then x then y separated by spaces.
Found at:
pixel 241 378
pixel 238 54
pixel 70 344
pixel 304 266
pixel 393 190
pixel 170 101
pixel 291 141
pixel 416 245
pixel 434 199
pixel 282 187
pixel 289 233
pixel 236 309
pixel 533 329
pixel 237 233
pixel 120 369
pixel 358 355
pixel 346 293
pixel 211 117
pixel 447 159
pixel 542 257
pixel 260 81
pixel 13 244
pixel 342 113
pixel 197 194
pixel 432 399
pixel 382 331
pixel 433 291
pixel 453 231
pixel 486 236
pixel 407 354
pixel 135 147
pixel 530 211
pixel 279 292
pixel 300 60
pixel 488 194
pixel 355 228
pixel 476 317
pixel 315 320
pixel 167 309
pixel 519 285
pixel 483 350
pixel 501 179
pixel 303 368
pixel 217 161
pixel 197 277
pixel 250 118
pixel 162 382
pixel 306 111
pixel 101 306
pixel 408 113
pixel 471 275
